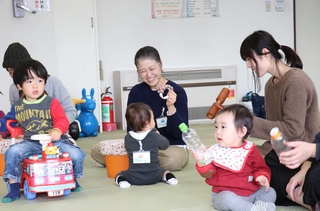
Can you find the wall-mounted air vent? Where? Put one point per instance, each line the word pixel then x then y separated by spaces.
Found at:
pixel 190 75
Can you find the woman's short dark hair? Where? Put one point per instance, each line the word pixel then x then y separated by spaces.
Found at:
pixel 137 116
pixel 147 52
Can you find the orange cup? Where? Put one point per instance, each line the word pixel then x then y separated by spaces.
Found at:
pixel 115 164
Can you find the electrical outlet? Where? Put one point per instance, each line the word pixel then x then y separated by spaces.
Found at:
pixel 17 12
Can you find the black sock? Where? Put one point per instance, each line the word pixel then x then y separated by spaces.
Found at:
pixel 169 176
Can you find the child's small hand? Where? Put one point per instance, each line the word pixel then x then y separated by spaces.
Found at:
pixel 263 181
pixel 207 174
pixel 20 137
pixel 198 157
pixel 55 134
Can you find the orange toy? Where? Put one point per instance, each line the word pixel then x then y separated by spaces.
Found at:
pixel 2 164
pixel 115 164
pixel 216 106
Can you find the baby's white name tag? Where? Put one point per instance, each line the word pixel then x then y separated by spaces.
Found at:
pixel 162 122
pixel 141 157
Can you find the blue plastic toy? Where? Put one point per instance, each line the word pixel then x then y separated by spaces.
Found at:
pixel 87 119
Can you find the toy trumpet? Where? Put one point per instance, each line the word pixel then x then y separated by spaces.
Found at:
pixel 216 106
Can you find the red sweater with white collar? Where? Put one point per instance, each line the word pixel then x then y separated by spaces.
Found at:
pixel 231 176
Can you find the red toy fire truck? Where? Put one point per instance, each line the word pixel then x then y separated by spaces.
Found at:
pixel 50 172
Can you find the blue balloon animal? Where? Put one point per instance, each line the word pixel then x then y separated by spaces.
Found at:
pixel 87 119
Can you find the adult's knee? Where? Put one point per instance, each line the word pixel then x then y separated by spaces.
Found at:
pixel 172 162
pixel 169 163
pixel 174 158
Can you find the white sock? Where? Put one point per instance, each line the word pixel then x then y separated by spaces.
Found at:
pixel 172 181
pixel 124 184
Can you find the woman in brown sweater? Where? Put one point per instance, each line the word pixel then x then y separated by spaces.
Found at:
pixel 291 104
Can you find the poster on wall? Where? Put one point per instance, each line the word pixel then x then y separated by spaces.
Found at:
pixel 38 6
pixel 162 9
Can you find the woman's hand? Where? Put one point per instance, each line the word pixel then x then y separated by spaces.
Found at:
pixel 171 98
pixel 263 181
pixel 300 151
pixel 297 180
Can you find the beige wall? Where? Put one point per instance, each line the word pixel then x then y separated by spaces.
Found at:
pixel 187 42
pixel 123 30
pixel 35 32
pixel 64 40
pixel 308 41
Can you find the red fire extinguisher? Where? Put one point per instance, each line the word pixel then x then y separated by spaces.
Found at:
pixel 107 109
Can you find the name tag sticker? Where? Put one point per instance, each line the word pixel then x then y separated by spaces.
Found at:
pixel 141 157
pixel 162 122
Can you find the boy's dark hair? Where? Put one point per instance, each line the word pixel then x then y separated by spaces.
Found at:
pixel 23 71
pixel 137 116
pixel 242 117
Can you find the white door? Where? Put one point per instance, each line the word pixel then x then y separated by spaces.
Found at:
pixel 76 48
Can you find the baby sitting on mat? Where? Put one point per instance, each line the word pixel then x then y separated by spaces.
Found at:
pixel 142 144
